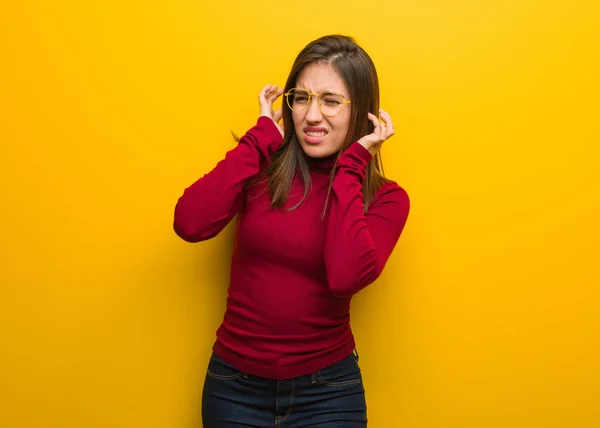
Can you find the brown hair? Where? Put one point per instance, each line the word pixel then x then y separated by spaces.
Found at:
pixel 358 73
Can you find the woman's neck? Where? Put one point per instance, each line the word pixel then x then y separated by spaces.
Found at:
pixel 325 163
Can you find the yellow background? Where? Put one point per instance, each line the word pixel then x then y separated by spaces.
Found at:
pixel 488 312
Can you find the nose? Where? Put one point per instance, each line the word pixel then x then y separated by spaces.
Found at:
pixel 313 112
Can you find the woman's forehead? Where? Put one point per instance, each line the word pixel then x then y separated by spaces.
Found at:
pixel 321 77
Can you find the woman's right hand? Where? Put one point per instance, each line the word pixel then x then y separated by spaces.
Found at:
pixel 266 98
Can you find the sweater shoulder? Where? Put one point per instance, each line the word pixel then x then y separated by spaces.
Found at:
pixel 391 190
pixel 391 196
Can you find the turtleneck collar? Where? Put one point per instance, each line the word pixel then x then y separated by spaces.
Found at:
pixel 322 164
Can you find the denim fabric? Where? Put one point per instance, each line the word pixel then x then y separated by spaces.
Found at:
pixel 333 397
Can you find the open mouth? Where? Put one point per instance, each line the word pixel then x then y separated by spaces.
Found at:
pixel 314 136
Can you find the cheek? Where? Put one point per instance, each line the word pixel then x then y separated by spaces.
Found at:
pixel 341 125
pixel 296 119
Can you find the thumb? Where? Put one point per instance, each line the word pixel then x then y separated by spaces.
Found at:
pixel 277 115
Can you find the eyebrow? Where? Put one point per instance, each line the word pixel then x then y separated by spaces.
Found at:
pixel 321 91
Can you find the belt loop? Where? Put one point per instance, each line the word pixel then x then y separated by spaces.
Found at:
pixel 355 352
pixel 313 378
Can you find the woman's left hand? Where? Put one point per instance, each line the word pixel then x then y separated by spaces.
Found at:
pixel 382 132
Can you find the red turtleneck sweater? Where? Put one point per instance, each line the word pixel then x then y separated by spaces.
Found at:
pixel 292 274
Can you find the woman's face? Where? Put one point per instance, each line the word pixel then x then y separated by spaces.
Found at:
pixel 319 135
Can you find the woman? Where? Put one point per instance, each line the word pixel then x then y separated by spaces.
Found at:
pixel 316 223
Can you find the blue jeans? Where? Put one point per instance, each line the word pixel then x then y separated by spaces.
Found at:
pixel 333 397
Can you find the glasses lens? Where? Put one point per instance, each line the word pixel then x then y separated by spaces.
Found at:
pixel 298 99
pixel 331 104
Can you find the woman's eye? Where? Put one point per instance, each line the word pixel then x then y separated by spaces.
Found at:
pixel 332 101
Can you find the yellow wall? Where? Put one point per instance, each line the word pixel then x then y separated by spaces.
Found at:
pixel 488 313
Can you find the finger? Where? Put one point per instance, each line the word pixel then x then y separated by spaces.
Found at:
pixel 376 125
pixel 264 92
pixel 374 120
pixel 268 94
pixel 276 94
pixel 388 122
pixel 277 115
pixel 379 127
pixel 383 133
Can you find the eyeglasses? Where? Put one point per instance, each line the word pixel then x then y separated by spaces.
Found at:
pixel 330 103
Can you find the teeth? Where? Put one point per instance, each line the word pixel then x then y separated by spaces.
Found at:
pixel 316 134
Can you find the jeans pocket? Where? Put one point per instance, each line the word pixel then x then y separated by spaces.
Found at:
pixel 343 373
pixel 219 369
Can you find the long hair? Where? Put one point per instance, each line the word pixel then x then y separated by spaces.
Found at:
pixel 358 73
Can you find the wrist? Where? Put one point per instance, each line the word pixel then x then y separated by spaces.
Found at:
pixel 272 132
pixel 366 144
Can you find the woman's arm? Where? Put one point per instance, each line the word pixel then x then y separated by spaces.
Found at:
pixel 358 245
pixel 209 204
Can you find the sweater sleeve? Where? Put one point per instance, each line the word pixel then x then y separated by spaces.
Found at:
pixel 209 204
pixel 358 245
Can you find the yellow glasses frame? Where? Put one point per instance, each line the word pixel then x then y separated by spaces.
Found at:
pixel 310 94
